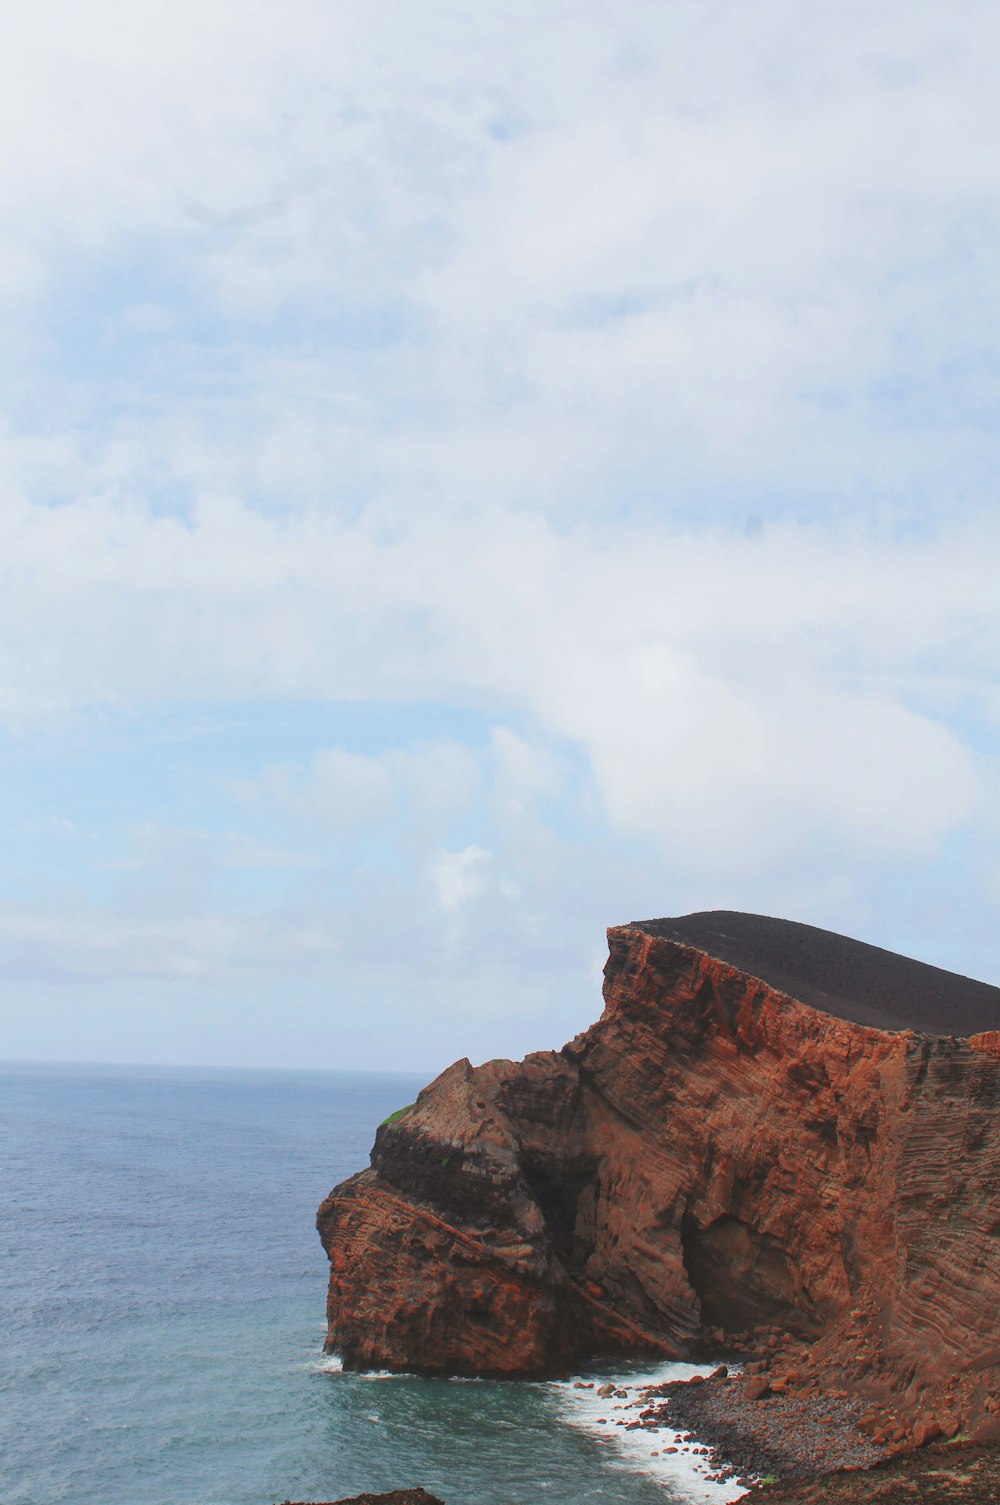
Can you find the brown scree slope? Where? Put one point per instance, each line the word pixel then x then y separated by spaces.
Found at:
pixel 769 1124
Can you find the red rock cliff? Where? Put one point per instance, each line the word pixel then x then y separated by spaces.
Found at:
pixel 714 1152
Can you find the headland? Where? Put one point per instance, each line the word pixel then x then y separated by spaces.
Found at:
pixel 776 1143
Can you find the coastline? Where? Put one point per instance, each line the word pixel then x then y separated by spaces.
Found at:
pixel 751 1434
pixel 733 1431
pixel 956 1474
pixel 714 1432
pixel 606 1406
pixel 741 1160
pixel 705 1434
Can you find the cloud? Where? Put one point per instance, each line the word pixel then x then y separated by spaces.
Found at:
pixel 587 415
pixel 736 781
pixel 343 789
pixel 660 261
pixel 524 773
pixel 84 943
pixel 459 878
pixel 339 788
pixel 150 846
pixel 732 693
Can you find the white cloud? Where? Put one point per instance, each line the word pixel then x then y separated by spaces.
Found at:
pixel 458 878
pixel 731 693
pixel 622 378
pixel 82 942
pixel 342 789
pixel 523 773
pixel 545 255
pixel 150 846
pixel 148 318
pixel 735 780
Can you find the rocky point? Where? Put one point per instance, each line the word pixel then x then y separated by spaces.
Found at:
pixel 775 1139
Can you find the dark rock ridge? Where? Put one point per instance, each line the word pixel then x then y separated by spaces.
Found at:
pixel 394 1497
pixel 846 978
pixel 770 1125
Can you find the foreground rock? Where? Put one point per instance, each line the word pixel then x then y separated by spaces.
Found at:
pixel 771 1130
pixel 394 1497
pixel 959 1474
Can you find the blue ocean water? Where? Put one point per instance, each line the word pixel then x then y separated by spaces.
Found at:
pixel 161 1310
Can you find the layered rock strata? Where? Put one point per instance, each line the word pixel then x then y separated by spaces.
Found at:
pixel 769 1127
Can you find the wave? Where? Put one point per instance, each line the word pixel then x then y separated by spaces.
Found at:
pixel 643 1450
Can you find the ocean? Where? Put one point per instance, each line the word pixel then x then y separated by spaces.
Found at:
pixel 162 1296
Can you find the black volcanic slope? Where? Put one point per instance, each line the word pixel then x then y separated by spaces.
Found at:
pixel 849 979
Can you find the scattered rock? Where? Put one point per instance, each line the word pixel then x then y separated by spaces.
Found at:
pixel 946 1474
pixel 926 1430
pixel 756 1388
pixel 792 1437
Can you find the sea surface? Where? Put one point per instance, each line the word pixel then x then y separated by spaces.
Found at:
pixel 162 1295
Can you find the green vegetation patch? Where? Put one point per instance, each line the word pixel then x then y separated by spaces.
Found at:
pixel 398 1114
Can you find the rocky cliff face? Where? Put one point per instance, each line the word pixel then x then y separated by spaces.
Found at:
pixel 715 1153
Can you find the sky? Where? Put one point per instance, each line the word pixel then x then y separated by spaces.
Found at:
pixel 471 475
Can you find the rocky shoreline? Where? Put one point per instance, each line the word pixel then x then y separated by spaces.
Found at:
pixel 752 1435
pixel 785 1438
pixel 778 1409
pixel 777 1146
pixel 714 1153
pixel 956 1473
pixel 777 1430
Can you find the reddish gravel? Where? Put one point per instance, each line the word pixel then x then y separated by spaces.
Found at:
pixel 792 1436
pixel 956 1474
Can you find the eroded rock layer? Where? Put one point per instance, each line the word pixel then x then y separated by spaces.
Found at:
pixel 715 1153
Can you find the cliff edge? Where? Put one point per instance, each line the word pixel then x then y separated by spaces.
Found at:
pixel 770 1127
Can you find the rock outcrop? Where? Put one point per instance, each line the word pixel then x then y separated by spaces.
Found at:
pixel 770 1126
pixel 394 1497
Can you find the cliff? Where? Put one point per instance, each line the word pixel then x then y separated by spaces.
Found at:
pixel 769 1127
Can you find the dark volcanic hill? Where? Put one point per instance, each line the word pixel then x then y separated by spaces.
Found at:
pixel 846 978
pixel 769 1127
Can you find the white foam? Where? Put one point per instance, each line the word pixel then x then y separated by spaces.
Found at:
pixel 642 1450
pixel 684 1471
pixel 330 1363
